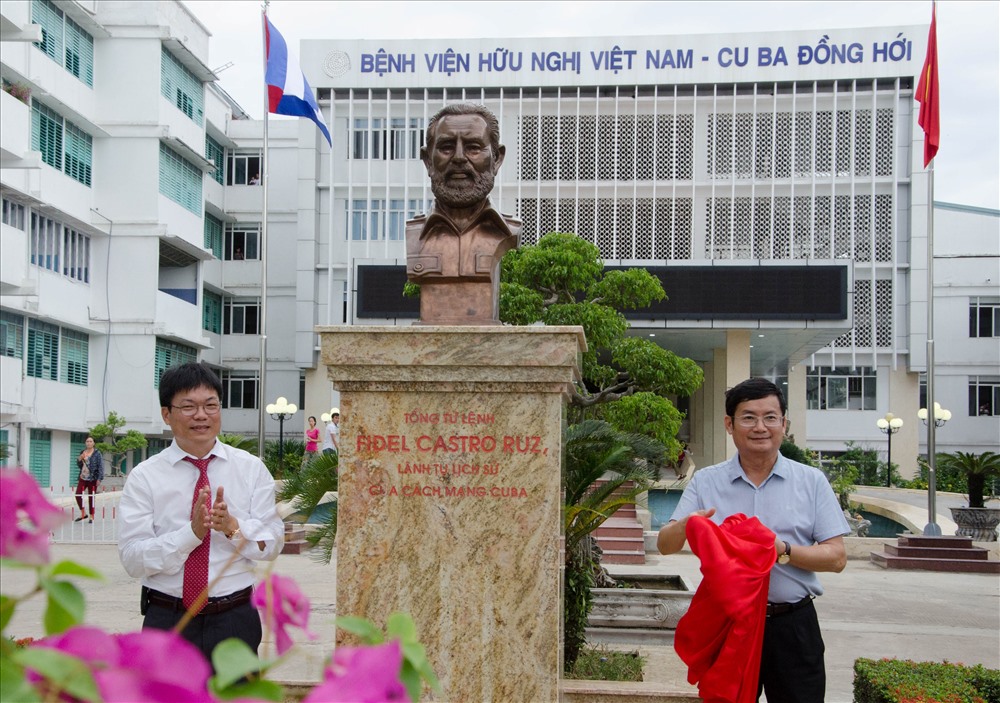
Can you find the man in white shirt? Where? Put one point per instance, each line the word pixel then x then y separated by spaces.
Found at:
pixel 163 524
pixel 331 443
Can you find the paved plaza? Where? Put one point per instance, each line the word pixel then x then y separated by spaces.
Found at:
pixel 866 612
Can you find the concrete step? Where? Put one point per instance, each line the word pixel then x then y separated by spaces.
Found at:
pixel 965 566
pixel 612 556
pixel 622 544
pixel 942 542
pixel 295 547
pixel 620 527
pixel 975 553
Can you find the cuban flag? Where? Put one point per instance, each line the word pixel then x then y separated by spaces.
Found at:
pixel 288 92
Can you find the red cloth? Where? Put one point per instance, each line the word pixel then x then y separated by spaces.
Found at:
pixel 721 635
pixel 929 96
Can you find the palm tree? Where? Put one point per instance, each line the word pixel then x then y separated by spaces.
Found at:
pixel 247 444
pixel 625 463
pixel 976 468
pixel 313 485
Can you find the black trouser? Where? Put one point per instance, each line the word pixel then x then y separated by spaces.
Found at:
pixel 206 631
pixel 792 669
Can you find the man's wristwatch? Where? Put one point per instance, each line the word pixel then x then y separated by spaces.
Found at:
pixel 235 534
pixel 785 556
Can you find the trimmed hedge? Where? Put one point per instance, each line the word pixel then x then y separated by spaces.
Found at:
pixel 904 681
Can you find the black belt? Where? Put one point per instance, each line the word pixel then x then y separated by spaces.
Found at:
pixel 214 606
pixel 775 609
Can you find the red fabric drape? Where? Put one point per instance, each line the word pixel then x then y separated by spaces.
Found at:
pixel 720 636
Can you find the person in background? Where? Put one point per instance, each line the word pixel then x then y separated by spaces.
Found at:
pixel 331 443
pixel 91 466
pixel 199 515
pixel 312 441
pixel 795 502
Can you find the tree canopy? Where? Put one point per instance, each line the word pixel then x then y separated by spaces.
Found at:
pixel 562 281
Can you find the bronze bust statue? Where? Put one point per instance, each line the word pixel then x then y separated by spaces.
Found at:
pixel 454 251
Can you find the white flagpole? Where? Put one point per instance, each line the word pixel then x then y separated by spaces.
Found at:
pixel 932 528
pixel 261 386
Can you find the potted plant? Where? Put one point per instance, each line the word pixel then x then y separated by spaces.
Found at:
pixel 976 521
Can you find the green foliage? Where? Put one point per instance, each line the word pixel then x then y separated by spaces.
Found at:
pixel 871 469
pixel 843 479
pixel 650 415
pixel 417 668
pixel 976 468
pixel 577 602
pixel 108 440
pixel 603 664
pixel 790 450
pixel 288 461
pixel 313 485
pixel 247 444
pixel 899 681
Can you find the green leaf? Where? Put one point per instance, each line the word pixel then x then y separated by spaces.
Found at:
pixel 364 628
pixel 7 605
pixel 72 568
pixel 415 655
pixel 68 673
pixel 259 690
pixel 411 681
pixel 400 626
pixel 8 563
pixel 66 606
pixel 13 685
pixel 233 660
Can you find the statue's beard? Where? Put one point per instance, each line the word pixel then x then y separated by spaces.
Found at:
pixel 472 192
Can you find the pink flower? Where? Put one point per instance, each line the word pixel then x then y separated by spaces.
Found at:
pixel 362 675
pixel 25 518
pixel 281 603
pixel 154 666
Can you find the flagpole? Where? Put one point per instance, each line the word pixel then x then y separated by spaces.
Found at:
pixel 261 387
pixel 932 527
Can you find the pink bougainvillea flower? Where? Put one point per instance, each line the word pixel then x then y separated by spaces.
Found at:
pixel 281 604
pixel 154 666
pixel 362 675
pixel 25 518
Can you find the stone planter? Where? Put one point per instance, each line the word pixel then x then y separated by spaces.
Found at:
pixel 656 603
pixel 978 523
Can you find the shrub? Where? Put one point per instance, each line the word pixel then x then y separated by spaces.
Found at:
pixel 904 681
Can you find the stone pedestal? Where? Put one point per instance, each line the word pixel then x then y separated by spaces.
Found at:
pixel 449 499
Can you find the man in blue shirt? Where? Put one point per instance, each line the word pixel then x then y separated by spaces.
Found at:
pixel 795 502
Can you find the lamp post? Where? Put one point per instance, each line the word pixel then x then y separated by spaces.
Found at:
pixel 941 416
pixel 281 410
pixel 890 425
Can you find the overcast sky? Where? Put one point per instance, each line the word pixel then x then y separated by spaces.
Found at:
pixel 968 163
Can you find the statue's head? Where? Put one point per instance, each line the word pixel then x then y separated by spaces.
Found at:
pixel 462 154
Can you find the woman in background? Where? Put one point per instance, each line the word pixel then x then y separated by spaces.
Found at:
pixel 312 442
pixel 91 465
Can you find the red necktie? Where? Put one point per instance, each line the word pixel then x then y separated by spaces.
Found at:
pixel 196 566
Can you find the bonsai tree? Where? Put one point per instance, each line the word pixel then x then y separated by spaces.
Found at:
pixel 108 439
pixel 977 468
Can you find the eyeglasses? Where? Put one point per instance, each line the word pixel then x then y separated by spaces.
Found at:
pixel 750 421
pixel 210 408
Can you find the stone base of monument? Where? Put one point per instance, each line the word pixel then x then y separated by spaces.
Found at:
pixel 449 500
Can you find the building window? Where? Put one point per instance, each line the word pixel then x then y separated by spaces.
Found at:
pixel 40 456
pixel 841 388
pixel 43 350
pixel 239 390
pixel 984 396
pixel 213 235
pixel 64 41
pixel 180 180
pixel 74 362
pixel 984 317
pixel 11 334
pixel 211 312
pixel 63 145
pixel 13 214
pixel 170 354
pixel 58 248
pixel 181 87
pixel 241 242
pixel 5 443
pixel 240 317
pixel 245 169
pixel 216 153
pixel 395 139
pixel 371 220
pixel 77 443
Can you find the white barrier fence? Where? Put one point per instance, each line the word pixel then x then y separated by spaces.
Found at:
pixel 104 527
